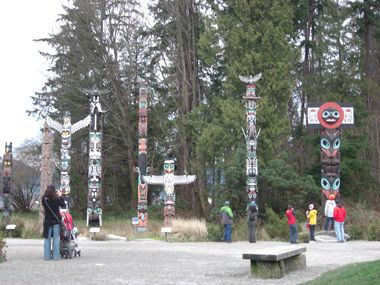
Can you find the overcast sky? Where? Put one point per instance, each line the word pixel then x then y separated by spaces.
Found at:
pixel 22 68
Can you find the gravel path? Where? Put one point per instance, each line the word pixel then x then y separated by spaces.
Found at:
pixel 160 262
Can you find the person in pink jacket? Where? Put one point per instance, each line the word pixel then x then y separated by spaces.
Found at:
pixel 339 217
pixel 292 222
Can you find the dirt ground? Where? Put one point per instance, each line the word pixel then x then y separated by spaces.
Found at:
pixel 160 262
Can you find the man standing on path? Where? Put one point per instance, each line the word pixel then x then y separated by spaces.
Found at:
pixel 339 217
pixel 292 222
pixel 226 217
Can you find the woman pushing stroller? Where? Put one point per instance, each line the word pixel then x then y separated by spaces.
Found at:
pixel 52 201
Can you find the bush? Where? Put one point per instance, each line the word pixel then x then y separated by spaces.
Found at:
pixel 356 231
pixel 3 247
pixel 214 231
pixel 189 229
pixel 276 226
pixel 303 237
pixel 374 230
pixel 240 229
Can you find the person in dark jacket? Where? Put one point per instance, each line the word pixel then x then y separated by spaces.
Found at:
pixel 52 201
pixel 252 222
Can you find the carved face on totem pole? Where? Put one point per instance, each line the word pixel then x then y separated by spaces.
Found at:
pixel 330 146
pixel 95 145
pixel 330 115
pixel 169 166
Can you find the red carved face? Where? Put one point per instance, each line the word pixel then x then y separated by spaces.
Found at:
pixel 330 115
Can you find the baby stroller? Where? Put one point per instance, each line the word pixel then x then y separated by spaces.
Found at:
pixel 69 244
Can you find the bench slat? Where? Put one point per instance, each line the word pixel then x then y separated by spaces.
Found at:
pixel 274 253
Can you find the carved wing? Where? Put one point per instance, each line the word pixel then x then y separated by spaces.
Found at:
pixel 154 179
pixel 250 79
pixel 81 124
pixel 257 77
pixel 184 179
pixel 54 124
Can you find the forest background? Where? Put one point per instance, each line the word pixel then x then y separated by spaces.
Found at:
pixel 190 54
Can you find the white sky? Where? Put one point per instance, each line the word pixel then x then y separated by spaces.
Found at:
pixel 22 68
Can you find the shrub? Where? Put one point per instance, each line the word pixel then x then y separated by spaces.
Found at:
pixel 374 230
pixel 356 231
pixel 240 229
pixel 189 229
pixel 303 237
pixel 3 247
pixel 214 231
pixel 276 226
pixel 358 217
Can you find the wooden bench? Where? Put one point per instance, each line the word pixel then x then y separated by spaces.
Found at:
pixel 275 262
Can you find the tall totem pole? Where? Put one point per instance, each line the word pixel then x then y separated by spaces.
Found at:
pixel 251 136
pixel 94 209
pixel 330 117
pixel 46 159
pixel 5 199
pixel 66 130
pixel 169 180
pixel 142 187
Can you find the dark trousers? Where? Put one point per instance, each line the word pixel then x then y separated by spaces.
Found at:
pixel 328 221
pixel 252 233
pixel 312 230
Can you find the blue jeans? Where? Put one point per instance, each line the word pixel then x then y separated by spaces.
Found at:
pixel 328 221
pixel 339 230
pixel 293 232
pixel 55 230
pixel 227 232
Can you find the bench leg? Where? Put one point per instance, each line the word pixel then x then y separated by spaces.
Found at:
pixel 295 263
pixel 267 269
pixel 277 269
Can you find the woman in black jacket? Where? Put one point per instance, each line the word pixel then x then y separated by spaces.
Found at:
pixel 52 201
pixel 252 222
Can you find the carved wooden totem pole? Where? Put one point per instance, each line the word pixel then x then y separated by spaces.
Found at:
pixel 169 180
pixel 5 197
pixel 46 159
pixel 66 130
pixel 142 187
pixel 94 209
pixel 330 117
pixel 251 136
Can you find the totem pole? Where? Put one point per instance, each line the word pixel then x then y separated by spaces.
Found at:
pixel 5 202
pixel 46 159
pixel 169 180
pixel 142 187
pixel 66 130
pixel 251 136
pixel 330 117
pixel 94 209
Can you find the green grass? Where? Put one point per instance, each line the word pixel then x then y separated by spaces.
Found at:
pixel 366 273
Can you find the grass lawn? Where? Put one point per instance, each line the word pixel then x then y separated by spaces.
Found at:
pixel 365 273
